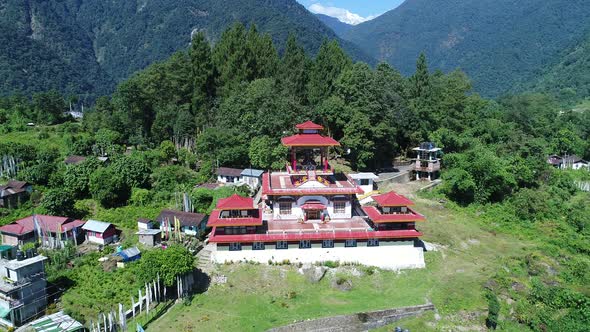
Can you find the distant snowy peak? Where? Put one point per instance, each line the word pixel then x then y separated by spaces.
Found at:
pixel 342 14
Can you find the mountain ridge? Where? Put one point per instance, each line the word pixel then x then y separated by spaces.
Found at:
pixel 497 43
pixel 87 46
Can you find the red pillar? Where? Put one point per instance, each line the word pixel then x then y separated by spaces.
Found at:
pixel 293 159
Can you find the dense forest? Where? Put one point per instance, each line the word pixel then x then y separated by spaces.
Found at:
pixel 498 43
pixel 86 47
pixel 167 127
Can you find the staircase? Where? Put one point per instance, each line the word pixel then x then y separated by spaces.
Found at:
pixel 204 260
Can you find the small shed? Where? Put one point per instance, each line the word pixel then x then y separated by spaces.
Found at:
pixel 100 232
pixel 129 254
pixel 14 193
pixel 143 223
pixel 365 181
pixel 252 177
pixel 57 322
pixel 149 237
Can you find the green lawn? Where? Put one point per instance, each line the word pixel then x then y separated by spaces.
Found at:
pixel 258 297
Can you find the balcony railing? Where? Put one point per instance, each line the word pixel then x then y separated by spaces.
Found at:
pixel 431 167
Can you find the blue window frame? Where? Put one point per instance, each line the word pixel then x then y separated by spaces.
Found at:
pixel 304 244
pixel 350 243
pixel 258 246
pixel 235 246
pixel 282 245
pixel 327 243
pixel 372 242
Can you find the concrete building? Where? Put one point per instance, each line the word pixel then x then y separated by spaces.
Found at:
pixel 22 287
pixel 366 181
pixel 427 165
pixel 252 177
pixel 149 237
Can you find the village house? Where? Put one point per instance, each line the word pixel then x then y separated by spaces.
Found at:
pixel 14 193
pixel 190 223
pixel 310 214
pixel 149 237
pixel 100 232
pixel 22 286
pixel 51 231
pixel 252 177
pixel 143 223
pixel 568 162
pixel 228 175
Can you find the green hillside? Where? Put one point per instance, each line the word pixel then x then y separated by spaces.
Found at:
pixel 496 42
pixel 568 79
pixel 86 46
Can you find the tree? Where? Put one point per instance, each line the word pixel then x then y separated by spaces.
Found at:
pixel 267 154
pixel 203 73
pixel 293 72
pixel 174 261
pixel 459 186
pixel 49 107
pixel 106 142
pixel 230 57
pixel 77 177
pixel 327 67
pixel 58 202
pixel 109 187
pixel 420 81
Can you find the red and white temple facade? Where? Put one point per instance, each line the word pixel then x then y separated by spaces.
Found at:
pixel 308 214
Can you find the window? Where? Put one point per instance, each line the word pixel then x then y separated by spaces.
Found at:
pixel 285 208
pixel 327 243
pixel 304 244
pixel 258 246
pixel 235 246
pixel 339 207
pixel 350 243
pixel 373 243
pixel 364 182
pixel 282 245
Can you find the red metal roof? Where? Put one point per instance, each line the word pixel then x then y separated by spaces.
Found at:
pixel 235 202
pixel 216 221
pixel 47 223
pixel 392 199
pixel 343 188
pixel 313 206
pixel 309 125
pixel 309 140
pixel 358 235
pixel 378 218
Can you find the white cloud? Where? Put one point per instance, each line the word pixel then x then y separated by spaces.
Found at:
pixel 344 15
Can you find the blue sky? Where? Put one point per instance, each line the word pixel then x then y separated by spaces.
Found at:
pixel 351 11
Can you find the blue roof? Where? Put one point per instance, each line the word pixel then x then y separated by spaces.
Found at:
pixel 130 254
pixel 252 172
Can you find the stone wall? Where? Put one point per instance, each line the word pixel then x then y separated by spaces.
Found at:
pixel 363 321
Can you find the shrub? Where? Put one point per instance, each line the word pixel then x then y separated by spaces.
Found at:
pixel 493 310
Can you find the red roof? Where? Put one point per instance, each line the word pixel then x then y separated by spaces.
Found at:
pixel 313 206
pixel 47 223
pixel 309 125
pixel 343 188
pixel 309 140
pixel 378 218
pixel 235 202
pixel 216 221
pixel 359 235
pixel 392 199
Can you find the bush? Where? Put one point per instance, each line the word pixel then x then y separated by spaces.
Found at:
pixel 493 310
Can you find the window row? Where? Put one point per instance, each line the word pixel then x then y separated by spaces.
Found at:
pixel 303 244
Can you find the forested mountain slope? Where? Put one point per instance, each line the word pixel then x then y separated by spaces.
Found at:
pixel 80 46
pixel 497 42
pixel 340 28
pixel 569 79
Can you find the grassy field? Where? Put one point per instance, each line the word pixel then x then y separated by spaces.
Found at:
pixel 258 297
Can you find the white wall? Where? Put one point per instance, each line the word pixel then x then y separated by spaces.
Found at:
pixel 297 212
pixel 386 257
